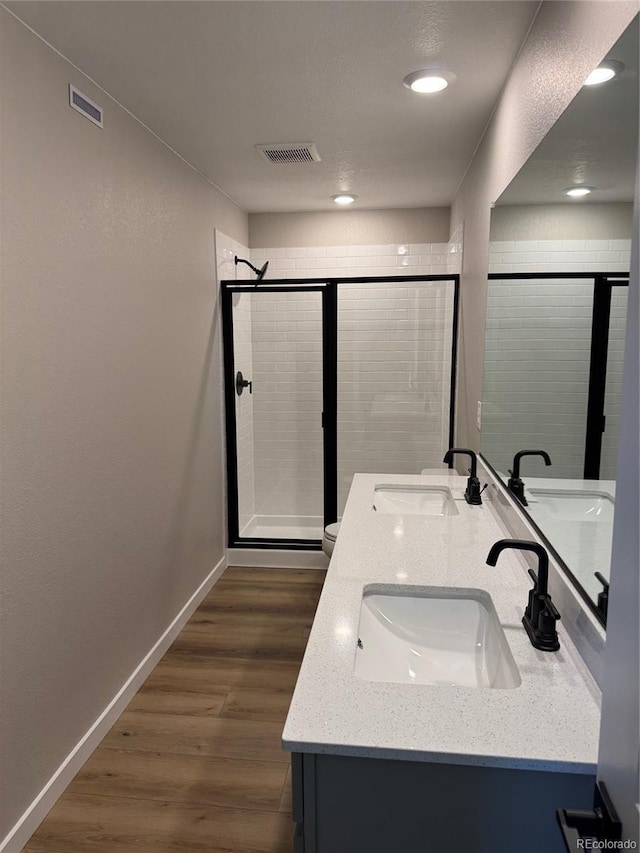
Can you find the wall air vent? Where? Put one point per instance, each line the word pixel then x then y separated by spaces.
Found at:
pixel 290 152
pixel 85 105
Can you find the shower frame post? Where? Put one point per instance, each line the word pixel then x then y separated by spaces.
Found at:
pixel 330 399
pixel 233 520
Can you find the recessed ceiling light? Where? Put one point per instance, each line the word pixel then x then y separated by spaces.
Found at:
pixel 344 198
pixel 426 82
pixel 605 71
pixel 578 192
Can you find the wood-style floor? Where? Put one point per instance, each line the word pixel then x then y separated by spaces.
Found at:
pixel 195 762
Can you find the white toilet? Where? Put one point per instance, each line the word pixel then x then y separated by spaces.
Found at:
pixel 329 538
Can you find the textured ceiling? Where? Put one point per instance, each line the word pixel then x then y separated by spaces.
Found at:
pixel 594 142
pixel 213 79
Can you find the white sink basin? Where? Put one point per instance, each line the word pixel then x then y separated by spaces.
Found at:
pixel 579 525
pixel 572 505
pixel 414 500
pixel 433 635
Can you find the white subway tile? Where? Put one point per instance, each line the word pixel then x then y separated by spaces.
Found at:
pixel 282 264
pixel 501 246
pixel 561 257
pixel 610 256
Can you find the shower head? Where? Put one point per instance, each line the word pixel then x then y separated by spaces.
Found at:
pixel 259 272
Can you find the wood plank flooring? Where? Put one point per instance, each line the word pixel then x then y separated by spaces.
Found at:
pixel 195 764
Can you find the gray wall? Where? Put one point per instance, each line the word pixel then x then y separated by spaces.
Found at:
pixel 562 221
pixel 349 227
pixel 111 478
pixel 566 41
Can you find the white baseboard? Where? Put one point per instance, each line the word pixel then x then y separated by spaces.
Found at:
pixel 270 558
pixel 57 784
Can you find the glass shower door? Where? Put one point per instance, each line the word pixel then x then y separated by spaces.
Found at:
pixel 278 349
pixel 394 377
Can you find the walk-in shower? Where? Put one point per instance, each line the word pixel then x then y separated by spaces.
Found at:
pixel 324 379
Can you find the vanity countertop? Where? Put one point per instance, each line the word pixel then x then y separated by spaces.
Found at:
pixel 550 722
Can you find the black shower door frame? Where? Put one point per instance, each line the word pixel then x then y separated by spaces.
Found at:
pixel 328 288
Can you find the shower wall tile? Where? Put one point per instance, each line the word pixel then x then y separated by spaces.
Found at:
pixel 243 352
pixel 537 354
pixel 373 260
pixel 559 255
pixel 287 398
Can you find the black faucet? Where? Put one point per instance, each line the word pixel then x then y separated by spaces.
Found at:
pixel 515 484
pixel 473 490
pixel 540 615
pixel 603 597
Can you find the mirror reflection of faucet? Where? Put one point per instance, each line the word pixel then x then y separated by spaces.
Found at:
pixel 515 484
pixel 603 597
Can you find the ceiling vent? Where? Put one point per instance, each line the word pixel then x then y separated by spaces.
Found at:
pixel 85 105
pixel 290 152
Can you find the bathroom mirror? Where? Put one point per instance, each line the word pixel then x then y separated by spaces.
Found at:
pixel 556 316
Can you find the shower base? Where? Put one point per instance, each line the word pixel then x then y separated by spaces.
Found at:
pixel 284 527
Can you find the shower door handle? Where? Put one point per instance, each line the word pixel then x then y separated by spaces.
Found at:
pixel 242 383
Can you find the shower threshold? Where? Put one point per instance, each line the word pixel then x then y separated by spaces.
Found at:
pixel 284 527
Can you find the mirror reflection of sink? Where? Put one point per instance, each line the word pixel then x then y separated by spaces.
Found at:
pixel 572 505
pixel 433 635
pixel 414 500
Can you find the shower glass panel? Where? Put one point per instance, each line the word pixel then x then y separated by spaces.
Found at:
pixel 277 341
pixel 613 385
pixel 394 377
pixel 536 373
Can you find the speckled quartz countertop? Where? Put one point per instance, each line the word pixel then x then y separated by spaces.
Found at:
pixel 549 722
